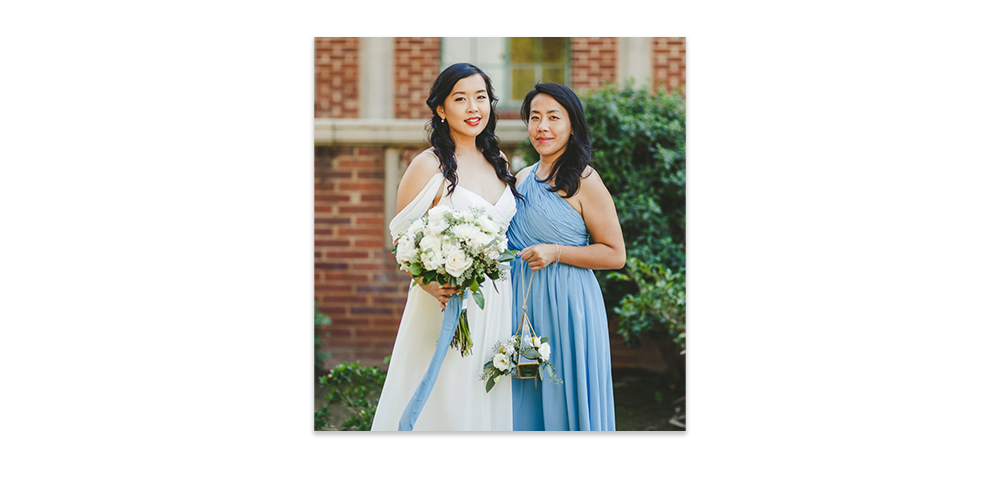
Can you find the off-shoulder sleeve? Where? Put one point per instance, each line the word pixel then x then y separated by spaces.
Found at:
pixel 416 208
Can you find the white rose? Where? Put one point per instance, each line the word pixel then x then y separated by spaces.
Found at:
pixel 448 246
pixel 416 227
pixel 488 226
pixel 430 252
pixel 500 363
pixel 481 240
pixel 436 222
pixel 544 350
pixel 436 214
pixel 406 249
pixel 430 243
pixel 457 262
pixel 465 231
pixel 492 254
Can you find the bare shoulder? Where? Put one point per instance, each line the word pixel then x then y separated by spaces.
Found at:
pixel 522 174
pixel 420 170
pixel 592 188
pixel 591 180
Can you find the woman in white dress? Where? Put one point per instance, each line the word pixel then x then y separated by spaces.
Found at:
pixel 464 168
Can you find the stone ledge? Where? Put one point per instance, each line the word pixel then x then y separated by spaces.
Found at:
pixel 401 132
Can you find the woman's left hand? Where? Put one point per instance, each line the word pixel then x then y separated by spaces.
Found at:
pixel 539 256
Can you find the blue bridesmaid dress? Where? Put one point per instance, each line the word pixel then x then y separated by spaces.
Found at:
pixel 564 304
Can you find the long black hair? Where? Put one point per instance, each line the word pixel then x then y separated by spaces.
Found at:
pixel 487 141
pixel 568 168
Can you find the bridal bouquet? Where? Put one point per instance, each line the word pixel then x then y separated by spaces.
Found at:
pixel 457 247
pixel 507 356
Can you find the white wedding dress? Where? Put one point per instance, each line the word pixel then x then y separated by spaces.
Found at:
pixel 459 401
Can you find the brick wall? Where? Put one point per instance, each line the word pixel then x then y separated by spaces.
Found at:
pixel 356 280
pixel 593 62
pixel 669 62
pixel 336 78
pixel 418 62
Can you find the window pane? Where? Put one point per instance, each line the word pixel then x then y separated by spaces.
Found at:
pixel 454 50
pixel 523 81
pixel 554 75
pixel 554 50
pixel 522 50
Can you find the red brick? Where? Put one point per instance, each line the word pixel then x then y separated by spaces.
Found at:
pixel 371 310
pixel 371 197
pixel 368 243
pixel 346 299
pixel 333 288
pixel 331 243
pixel 349 277
pixel 333 197
pixel 340 174
pixel 348 254
pixel 322 209
pixel 359 164
pixel 369 220
pixel 361 186
pixel 347 231
pixel 377 289
pixel 338 220
pixel 360 209
pixel 330 265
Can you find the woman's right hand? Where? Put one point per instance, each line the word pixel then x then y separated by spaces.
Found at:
pixel 440 292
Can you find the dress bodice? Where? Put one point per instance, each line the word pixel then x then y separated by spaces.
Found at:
pixel 545 218
pixel 460 198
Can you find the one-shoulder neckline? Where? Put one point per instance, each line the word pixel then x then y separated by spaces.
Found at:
pixel 555 193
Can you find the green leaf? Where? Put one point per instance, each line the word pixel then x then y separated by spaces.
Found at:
pixel 489 384
pixel 475 286
pixel 415 269
pixel 480 300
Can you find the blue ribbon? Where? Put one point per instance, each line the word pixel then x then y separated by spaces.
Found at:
pixel 412 411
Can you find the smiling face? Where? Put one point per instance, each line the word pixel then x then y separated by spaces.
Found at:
pixel 467 107
pixel 548 127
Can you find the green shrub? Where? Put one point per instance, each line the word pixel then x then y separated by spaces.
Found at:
pixel 638 141
pixel 659 305
pixel 356 388
pixel 321 320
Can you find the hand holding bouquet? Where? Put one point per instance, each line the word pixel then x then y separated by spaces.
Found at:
pixel 457 247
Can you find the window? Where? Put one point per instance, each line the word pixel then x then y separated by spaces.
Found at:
pixel 513 64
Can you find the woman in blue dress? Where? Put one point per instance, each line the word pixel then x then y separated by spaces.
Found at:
pixel 566 227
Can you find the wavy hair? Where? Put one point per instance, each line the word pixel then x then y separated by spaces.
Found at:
pixel 568 168
pixel 440 133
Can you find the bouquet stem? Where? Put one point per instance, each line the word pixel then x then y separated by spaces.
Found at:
pixel 462 341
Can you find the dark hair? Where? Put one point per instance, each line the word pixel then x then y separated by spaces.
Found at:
pixel 487 141
pixel 568 168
